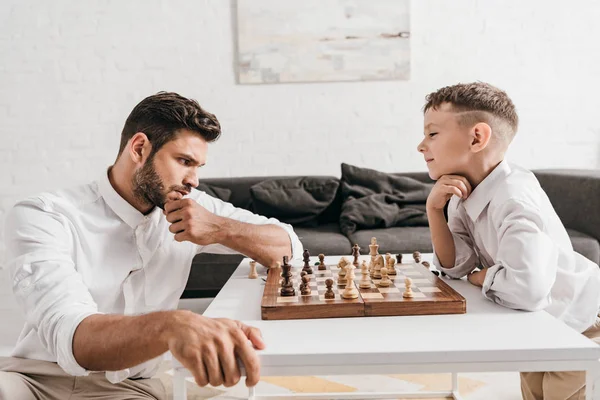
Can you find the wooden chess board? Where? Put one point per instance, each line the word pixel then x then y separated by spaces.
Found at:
pixel 431 295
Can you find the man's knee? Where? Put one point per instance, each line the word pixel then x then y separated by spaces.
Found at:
pixel 14 386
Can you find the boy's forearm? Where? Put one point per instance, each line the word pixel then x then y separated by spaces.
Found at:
pixel 441 237
pixel 115 342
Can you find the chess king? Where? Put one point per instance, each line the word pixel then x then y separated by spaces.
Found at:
pixel 499 216
pixel 99 268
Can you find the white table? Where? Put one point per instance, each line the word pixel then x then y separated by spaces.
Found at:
pixel 487 338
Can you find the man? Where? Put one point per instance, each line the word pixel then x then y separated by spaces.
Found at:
pixel 99 269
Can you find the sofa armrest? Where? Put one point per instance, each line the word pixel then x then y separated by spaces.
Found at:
pixel 575 195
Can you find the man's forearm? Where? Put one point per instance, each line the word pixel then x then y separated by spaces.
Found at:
pixel 115 342
pixel 266 244
pixel 441 238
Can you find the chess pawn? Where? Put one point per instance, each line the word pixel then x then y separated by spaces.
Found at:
pixel 306 257
pixel 305 287
pixel 417 257
pixel 385 280
pixel 342 273
pixel 391 270
pixel 365 282
pixel 408 293
pixel 350 292
pixel 322 265
pixel 253 274
pixel 399 258
pixel 329 294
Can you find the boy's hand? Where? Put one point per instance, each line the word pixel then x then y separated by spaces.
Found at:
pixel 444 188
pixel 477 278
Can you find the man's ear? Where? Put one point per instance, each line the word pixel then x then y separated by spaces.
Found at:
pixel 139 148
pixel 481 134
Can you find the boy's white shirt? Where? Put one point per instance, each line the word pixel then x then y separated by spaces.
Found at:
pixel 509 226
pixel 83 251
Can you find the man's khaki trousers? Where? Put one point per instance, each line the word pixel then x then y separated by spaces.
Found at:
pixel 24 379
pixel 562 385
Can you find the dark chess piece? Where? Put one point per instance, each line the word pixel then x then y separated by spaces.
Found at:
pixel 306 256
pixel 426 264
pixel 322 265
pixel 287 287
pixel 355 254
pixel 329 294
pixel 417 256
pixel 398 258
pixel 305 287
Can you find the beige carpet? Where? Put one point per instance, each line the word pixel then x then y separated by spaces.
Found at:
pixel 480 386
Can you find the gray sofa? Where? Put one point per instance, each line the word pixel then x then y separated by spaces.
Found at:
pixel 575 194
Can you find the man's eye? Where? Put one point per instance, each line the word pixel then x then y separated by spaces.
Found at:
pixel 432 134
pixel 184 161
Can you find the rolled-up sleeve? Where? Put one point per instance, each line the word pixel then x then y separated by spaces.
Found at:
pixel 465 259
pixel 228 210
pixel 526 261
pixel 44 278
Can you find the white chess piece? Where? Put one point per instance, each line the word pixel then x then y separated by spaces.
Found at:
pixel 342 273
pixel 365 281
pixel 391 269
pixel 253 274
pixel 408 293
pixel 350 292
pixel 385 280
pixel 377 267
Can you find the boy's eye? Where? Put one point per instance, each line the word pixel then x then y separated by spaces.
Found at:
pixel 432 134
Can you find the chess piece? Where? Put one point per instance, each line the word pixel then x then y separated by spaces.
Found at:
pixel 408 293
pixel 385 280
pixel 322 265
pixel 417 257
pixel 378 265
pixel 426 264
pixel 373 252
pixel 342 273
pixel 329 294
pixel 365 282
pixel 391 270
pixel 306 257
pixel 305 286
pixel 287 287
pixel 253 274
pixel 387 259
pixel 399 258
pixel 350 292
pixel 355 254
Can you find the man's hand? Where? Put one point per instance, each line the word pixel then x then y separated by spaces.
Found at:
pixel 477 278
pixel 208 348
pixel 192 222
pixel 444 188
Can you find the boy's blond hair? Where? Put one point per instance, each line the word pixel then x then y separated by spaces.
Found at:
pixel 478 102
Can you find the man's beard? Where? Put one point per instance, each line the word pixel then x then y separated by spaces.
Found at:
pixel 147 185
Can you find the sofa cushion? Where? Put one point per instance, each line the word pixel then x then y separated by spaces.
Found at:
pixel 298 201
pixel 215 191
pixel 374 199
pixel 394 240
pixel 585 245
pixel 326 239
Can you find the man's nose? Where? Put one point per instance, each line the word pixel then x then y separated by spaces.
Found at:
pixel 191 180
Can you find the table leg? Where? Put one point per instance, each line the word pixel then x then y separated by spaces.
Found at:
pixel 179 388
pixel 455 394
pixel 592 383
pixel 251 393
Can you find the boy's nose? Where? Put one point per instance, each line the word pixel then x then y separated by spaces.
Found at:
pixel 421 147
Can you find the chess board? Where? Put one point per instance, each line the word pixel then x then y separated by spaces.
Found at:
pixel 431 295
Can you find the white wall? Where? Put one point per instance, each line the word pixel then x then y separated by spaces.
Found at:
pixel 71 71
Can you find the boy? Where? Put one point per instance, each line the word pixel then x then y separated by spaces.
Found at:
pixel 500 220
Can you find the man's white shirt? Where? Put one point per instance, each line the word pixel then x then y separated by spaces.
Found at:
pixel 509 226
pixel 77 252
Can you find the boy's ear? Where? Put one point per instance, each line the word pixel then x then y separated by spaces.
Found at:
pixel 481 134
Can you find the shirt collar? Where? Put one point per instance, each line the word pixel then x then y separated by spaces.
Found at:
pixel 483 193
pixel 128 213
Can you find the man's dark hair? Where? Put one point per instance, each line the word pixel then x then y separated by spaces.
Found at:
pixel 163 115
